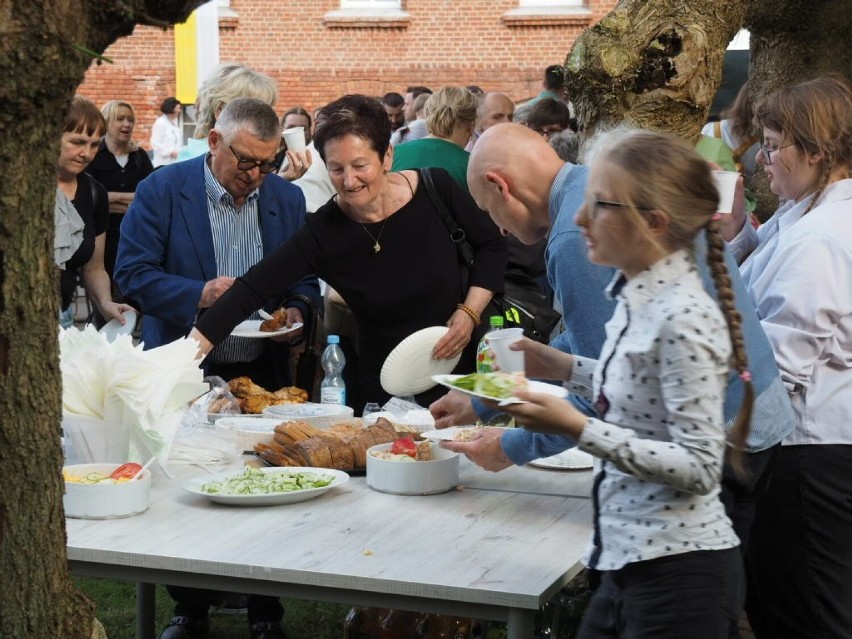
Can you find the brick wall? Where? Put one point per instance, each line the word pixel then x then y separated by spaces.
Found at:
pixel 315 59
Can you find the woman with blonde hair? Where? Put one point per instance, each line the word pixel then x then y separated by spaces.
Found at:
pixel 120 165
pixel 450 119
pixel 797 267
pixel 666 552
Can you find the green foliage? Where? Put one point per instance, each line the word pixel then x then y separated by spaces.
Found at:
pixel 115 603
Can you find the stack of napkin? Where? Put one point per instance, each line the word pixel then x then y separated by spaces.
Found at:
pixel 123 384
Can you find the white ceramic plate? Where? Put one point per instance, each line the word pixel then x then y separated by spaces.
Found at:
pixel 194 486
pixel 532 385
pixel 447 434
pixel 571 459
pixel 251 328
pixel 410 369
pixel 113 328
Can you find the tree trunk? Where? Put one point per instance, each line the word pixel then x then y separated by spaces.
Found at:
pixel 653 65
pixel 41 64
pixel 793 41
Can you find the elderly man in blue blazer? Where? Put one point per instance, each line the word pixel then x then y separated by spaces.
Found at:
pixel 193 227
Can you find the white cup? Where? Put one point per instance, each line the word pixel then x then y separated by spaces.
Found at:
pixel 507 360
pixel 726 184
pixel 295 138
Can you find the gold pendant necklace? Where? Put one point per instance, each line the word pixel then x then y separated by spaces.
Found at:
pixel 376 246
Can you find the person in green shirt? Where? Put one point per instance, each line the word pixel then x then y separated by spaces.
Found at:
pixel 450 118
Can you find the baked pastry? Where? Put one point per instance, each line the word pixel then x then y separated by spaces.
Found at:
pixel 276 322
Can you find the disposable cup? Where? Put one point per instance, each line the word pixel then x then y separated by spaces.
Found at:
pixel 295 138
pixel 726 184
pixel 90 440
pixel 507 360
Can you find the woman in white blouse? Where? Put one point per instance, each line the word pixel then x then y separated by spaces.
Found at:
pixel 166 138
pixel 663 548
pixel 798 268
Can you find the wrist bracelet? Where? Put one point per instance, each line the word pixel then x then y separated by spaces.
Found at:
pixel 470 313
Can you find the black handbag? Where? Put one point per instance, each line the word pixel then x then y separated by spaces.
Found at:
pixel 520 306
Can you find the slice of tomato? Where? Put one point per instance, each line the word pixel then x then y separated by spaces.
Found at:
pixel 404 446
pixel 125 471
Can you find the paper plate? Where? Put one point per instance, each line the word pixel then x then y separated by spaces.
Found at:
pixel 251 328
pixel 114 328
pixel 409 368
pixel 571 459
pixel 533 386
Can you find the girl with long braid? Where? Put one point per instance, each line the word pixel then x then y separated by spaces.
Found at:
pixel 663 548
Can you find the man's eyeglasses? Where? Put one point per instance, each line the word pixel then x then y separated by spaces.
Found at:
pixel 247 164
pixel 594 204
pixel 767 151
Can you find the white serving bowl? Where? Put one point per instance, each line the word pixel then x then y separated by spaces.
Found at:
pixel 438 475
pixel 317 415
pixel 249 430
pixel 105 501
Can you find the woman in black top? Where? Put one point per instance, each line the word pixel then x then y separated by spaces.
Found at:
pixel 381 243
pixel 119 165
pixel 81 212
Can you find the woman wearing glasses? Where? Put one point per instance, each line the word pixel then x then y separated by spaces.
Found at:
pixel 663 547
pixel 797 267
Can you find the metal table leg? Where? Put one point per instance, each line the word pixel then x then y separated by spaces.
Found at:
pixel 144 611
pixel 521 623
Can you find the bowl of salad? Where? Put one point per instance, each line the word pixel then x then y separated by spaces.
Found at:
pixel 105 491
pixel 405 467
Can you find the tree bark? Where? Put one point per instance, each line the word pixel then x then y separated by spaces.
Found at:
pixel 653 65
pixel 42 61
pixel 793 41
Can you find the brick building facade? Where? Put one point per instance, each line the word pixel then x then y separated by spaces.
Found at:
pixel 318 50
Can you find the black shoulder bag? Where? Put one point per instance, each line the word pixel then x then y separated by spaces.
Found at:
pixel 534 314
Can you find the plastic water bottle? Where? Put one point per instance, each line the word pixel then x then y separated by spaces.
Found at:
pixel 333 388
pixel 484 356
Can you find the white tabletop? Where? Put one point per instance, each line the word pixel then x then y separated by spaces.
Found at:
pixel 500 544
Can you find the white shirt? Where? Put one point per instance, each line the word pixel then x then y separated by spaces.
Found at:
pixel 165 138
pixel 659 384
pixel 799 276
pixel 315 183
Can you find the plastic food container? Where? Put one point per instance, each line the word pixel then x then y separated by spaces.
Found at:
pixel 318 415
pixel 105 501
pixel 90 440
pixel 249 430
pixel 438 475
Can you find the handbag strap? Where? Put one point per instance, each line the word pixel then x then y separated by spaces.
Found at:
pixel 457 234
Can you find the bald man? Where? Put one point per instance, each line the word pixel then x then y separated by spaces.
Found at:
pixel 494 108
pixel 516 176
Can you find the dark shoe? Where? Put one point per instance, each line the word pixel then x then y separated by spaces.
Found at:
pixel 267 630
pixel 186 628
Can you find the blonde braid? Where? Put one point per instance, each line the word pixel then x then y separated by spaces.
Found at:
pixel 722 280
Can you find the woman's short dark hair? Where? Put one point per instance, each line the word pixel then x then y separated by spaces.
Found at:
pixel 549 111
pixel 357 115
pixel 84 116
pixel 169 104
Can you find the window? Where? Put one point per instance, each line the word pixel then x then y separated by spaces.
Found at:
pixel 378 5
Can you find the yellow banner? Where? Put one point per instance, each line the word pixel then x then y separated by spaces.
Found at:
pixel 186 61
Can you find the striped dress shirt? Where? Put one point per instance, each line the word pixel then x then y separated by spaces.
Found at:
pixel 238 246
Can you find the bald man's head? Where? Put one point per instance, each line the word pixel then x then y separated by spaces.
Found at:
pixel 494 108
pixel 510 173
